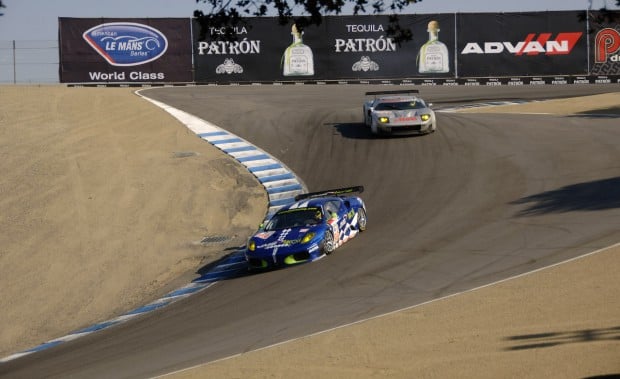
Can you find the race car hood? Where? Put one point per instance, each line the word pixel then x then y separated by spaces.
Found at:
pixel 284 237
pixel 403 113
pixel 404 116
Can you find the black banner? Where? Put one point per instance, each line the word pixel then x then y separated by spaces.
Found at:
pixel 488 49
pixel 522 44
pixel 254 54
pixel 361 48
pixel 125 50
pixel 342 48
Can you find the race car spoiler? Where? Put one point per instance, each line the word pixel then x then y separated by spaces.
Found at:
pixel 392 92
pixel 331 192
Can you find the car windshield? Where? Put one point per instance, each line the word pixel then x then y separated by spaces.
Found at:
pixel 400 105
pixel 293 218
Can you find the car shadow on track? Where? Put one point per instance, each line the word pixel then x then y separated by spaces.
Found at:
pixel 589 196
pixel 542 340
pixel 357 130
pixel 611 112
pixel 230 266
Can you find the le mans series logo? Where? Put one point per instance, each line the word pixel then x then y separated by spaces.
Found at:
pixel 607 46
pixel 124 44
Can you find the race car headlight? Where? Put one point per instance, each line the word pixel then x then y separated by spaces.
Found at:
pixel 307 238
pixel 384 120
pixel 251 245
pixel 425 117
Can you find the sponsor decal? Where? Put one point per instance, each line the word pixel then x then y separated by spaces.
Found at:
pixel 291 242
pixel 229 67
pixel 493 82
pixel 559 80
pixel 471 82
pixel 406 118
pixel 537 81
pixel 581 80
pixel 607 46
pixel 364 44
pixel 562 44
pixel 264 235
pixel 126 43
pixel 365 64
pixel 515 82
pixel 244 46
pixel 124 76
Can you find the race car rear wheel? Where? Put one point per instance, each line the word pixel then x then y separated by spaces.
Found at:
pixel 361 219
pixel 328 245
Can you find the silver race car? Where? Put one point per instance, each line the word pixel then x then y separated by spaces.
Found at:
pixel 398 112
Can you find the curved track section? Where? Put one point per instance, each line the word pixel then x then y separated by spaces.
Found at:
pixel 485 198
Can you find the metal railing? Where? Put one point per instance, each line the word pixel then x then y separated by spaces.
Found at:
pixel 29 62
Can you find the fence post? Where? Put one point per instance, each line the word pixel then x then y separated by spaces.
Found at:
pixel 14 65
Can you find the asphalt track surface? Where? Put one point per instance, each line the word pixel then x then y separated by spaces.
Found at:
pixel 486 197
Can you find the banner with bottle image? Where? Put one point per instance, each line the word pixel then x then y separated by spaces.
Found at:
pixel 522 44
pixel 343 47
pixel 254 54
pixel 360 47
pixel 445 49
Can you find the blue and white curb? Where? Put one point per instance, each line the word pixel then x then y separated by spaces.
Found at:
pixel 281 184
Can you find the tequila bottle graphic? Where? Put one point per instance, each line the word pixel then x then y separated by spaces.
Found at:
pixel 433 56
pixel 297 59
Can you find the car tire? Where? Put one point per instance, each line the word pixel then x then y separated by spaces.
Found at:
pixel 328 245
pixel 374 129
pixel 361 219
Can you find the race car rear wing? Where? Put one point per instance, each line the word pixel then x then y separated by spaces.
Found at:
pixel 331 192
pixel 404 91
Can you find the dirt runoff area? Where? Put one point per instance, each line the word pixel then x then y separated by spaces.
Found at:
pixel 105 199
pixel 100 184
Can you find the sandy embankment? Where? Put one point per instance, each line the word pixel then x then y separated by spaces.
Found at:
pixel 104 201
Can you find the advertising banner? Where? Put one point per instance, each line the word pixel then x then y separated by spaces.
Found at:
pixel 253 55
pixel 360 47
pixel 125 50
pixel 604 44
pixel 527 48
pixel 341 48
pixel 522 44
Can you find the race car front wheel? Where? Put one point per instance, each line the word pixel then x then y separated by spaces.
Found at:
pixel 361 219
pixel 373 128
pixel 328 245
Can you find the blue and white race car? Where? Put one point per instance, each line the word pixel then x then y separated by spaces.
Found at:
pixel 398 112
pixel 311 228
